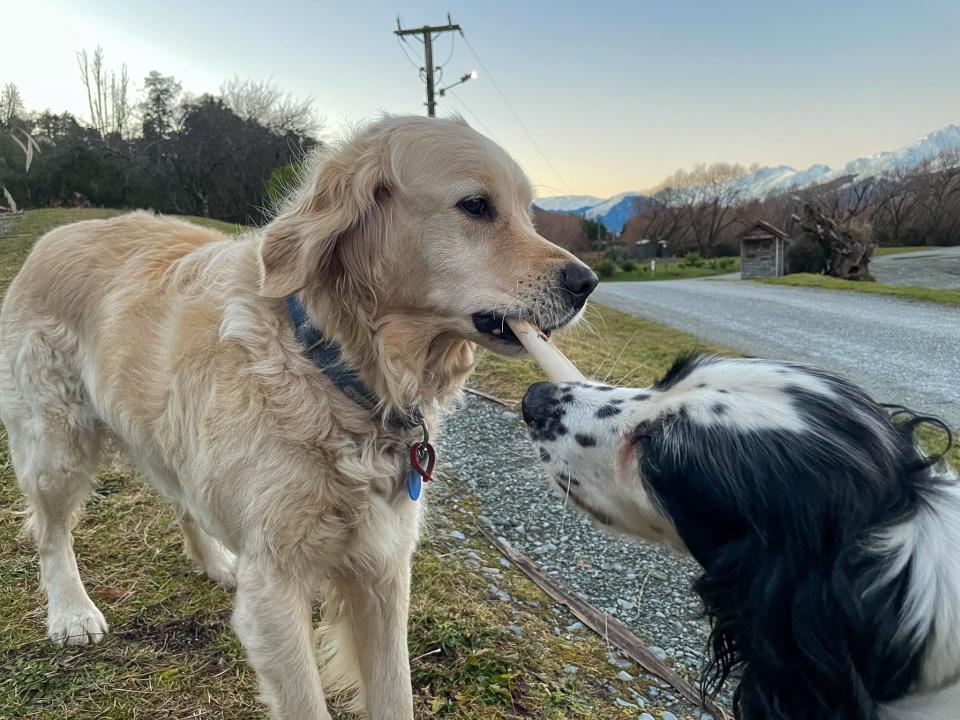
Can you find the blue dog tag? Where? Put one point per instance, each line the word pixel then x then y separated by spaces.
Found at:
pixel 414 484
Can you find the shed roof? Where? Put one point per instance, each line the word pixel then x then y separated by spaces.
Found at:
pixel 761 230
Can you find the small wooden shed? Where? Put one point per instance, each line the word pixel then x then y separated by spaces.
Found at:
pixel 762 250
pixel 650 249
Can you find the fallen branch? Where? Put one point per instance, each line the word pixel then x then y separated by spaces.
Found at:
pixel 512 404
pixel 608 627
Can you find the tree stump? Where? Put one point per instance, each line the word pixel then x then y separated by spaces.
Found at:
pixel 846 251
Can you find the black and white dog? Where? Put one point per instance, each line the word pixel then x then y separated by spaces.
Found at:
pixel 830 543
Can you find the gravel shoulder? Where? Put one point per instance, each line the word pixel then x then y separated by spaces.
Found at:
pixel 900 351
pixel 645 586
pixel 933 268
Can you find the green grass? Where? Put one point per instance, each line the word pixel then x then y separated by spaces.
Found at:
pixel 908 292
pixel 899 249
pixel 171 654
pixel 674 269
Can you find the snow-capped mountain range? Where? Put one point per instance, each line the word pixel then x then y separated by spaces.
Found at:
pixel 615 211
pixel 612 212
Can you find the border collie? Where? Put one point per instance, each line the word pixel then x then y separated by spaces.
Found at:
pixel 829 541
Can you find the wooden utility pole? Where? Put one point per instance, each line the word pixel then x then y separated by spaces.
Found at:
pixel 427 32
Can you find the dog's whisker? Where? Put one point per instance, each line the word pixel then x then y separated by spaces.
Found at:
pixel 620 355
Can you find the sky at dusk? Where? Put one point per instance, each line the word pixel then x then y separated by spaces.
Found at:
pixel 616 95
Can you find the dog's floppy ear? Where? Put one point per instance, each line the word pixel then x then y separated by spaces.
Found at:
pixel 338 199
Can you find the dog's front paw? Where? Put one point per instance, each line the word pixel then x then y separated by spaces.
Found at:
pixel 76 624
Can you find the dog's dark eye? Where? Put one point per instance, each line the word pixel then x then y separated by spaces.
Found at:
pixel 476 206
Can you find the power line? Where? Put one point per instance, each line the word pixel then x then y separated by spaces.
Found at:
pixel 520 122
pixel 402 42
pixel 471 113
pixel 450 56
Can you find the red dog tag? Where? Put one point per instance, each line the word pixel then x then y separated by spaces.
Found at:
pixel 421 452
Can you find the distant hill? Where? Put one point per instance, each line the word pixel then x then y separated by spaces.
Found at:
pixel 766 181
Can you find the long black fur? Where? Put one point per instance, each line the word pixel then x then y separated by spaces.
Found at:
pixel 782 523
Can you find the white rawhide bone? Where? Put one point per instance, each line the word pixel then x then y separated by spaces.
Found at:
pixel 554 363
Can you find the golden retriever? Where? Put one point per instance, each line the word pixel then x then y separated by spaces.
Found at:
pixel 406 244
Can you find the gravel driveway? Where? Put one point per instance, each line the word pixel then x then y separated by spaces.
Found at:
pixel 901 351
pixel 935 268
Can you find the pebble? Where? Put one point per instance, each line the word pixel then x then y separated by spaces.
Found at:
pixel 498 593
pixel 619 662
pixel 667 715
pixel 575 627
pixel 457 535
pixel 516 630
pixel 658 652
pixel 572 670
pixel 646 716
pixel 624 676
pixel 624 704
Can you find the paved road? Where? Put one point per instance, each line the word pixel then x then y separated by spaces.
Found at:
pixel 901 351
pixel 936 268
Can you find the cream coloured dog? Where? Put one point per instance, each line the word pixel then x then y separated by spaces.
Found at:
pixel 405 245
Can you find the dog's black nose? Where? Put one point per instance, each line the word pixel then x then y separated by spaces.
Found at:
pixel 579 281
pixel 536 402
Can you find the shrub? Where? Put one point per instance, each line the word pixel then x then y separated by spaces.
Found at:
pixel 605 268
pixel 628 265
pixel 692 259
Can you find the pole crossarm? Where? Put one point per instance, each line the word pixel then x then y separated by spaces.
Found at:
pixel 427 32
pixel 427 29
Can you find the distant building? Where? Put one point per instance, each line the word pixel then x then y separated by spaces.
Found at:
pixel 649 249
pixel 762 250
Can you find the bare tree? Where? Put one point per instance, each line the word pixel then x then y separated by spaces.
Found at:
pixel 265 102
pixel 567 231
pixel 858 197
pixel 106 94
pixel 11 104
pixel 661 218
pixel 708 196
pixel 938 190
pixel 896 204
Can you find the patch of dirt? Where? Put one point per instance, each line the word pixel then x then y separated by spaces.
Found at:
pixel 182 634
